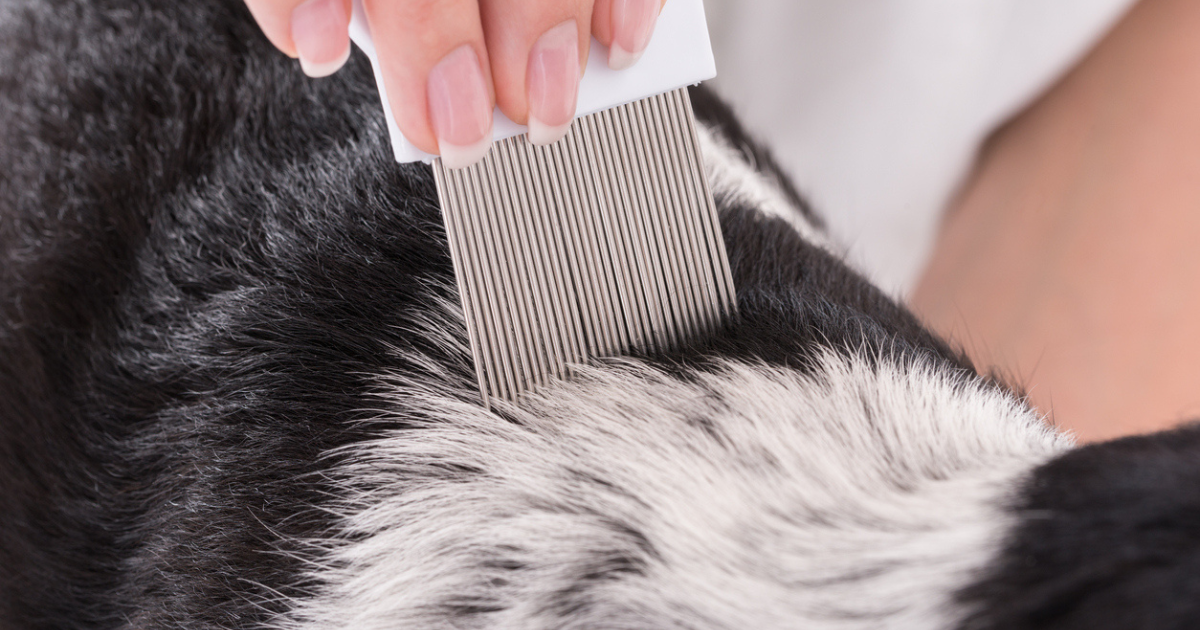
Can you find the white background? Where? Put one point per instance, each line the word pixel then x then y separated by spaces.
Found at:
pixel 876 107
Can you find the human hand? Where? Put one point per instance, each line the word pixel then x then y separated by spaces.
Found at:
pixel 447 63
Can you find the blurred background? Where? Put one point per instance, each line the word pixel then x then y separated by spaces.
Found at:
pixel 877 107
pixel 1025 174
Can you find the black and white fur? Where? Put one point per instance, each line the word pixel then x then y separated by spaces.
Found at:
pixel 235 392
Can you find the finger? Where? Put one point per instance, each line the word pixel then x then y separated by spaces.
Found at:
pixel 435 71
pixel 315 31
pixel 625 26
pixel 537 50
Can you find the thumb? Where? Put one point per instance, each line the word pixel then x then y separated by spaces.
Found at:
pixel 315 31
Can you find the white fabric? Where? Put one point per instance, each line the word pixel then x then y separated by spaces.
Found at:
pixel 876 107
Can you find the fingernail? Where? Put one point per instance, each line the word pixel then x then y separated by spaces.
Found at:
pixel 460 108
pixel 632 24
pixel 553 83
pixel 320 32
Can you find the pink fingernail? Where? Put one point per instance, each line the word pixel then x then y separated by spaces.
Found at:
pixel 553 83
pixel 632 24
pixel 320 32
pixel 460 107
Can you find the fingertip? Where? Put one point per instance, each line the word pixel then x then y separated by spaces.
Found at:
pixel 633 24
pixel 460 107
pixel 620 59
pixel 318 70
pixel 457 156
pixel 553 82
pixel 434 63
pixel 542 134
pixel 320 32
pixel 275 24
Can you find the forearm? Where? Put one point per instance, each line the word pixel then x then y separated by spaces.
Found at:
pixel 1070 259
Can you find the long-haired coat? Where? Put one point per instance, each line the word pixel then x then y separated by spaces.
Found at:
pixel 235 392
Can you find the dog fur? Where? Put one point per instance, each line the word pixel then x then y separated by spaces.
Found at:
pixel 236 393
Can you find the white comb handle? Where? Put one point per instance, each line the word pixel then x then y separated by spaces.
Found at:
pixel 679 54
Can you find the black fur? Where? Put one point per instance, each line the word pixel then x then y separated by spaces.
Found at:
pixel 1110 539
pixel 204 256
pixel 202 252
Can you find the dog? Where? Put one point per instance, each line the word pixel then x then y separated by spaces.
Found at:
pixel 236 392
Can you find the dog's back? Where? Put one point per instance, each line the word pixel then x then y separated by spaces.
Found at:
pixel 236 392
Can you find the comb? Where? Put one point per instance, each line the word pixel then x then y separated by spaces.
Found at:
pixel 602 244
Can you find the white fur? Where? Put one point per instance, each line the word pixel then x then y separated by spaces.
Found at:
pixel 731 175
pixel 858 498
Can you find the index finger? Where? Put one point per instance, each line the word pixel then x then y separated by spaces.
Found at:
pixel 436 73
pixel 315 31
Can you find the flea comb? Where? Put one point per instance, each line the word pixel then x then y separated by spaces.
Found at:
pixel 604 243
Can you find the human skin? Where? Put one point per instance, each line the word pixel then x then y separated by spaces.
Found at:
pixel 1070 260
pixel 447 64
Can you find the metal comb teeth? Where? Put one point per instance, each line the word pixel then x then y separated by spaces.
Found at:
pixel 604 243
